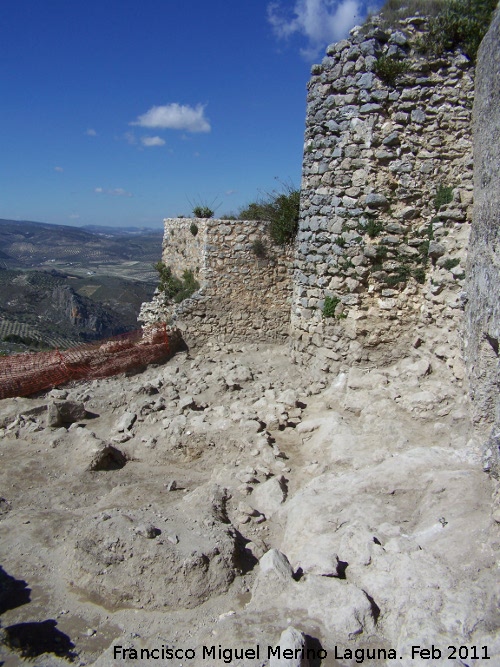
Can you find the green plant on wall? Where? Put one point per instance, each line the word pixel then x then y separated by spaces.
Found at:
pixel 394 10
pixel 285 219
pixel 450 264
pixel 202 208
pixel 281 208
pixel 459 23
pixel 329 306
pixel 373 228
pixel 203 212
pixel 193 228
pixel 430 229
pixel 444 195
pixel 176 289
pixel 388 68
pixel 419 275
pixel 259 248
pixel 401 275
pixel 423 250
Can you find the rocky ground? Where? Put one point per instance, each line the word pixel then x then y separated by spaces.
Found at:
pixel 218 499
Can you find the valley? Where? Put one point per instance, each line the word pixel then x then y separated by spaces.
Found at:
pixel 61 286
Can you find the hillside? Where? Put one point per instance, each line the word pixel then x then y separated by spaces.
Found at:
pixel 36 244
pixel 61 285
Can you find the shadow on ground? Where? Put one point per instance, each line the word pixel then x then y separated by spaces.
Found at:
pixel 13 592
pixel 34 639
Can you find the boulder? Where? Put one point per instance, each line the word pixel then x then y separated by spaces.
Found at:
pixel 276 564
pixel 126 421
pixel 292 642
pixel 267 497
pixel 106 457
pixel 63 413
pixel 436 250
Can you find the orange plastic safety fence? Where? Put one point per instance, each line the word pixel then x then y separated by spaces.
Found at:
pixel 26 374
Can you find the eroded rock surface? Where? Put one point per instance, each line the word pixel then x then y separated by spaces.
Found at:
pixel 350 506
pixel 156 560
pixel 483 306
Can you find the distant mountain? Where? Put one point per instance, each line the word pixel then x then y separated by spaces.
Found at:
pixel 27 244
pixel 123 231
pixel 60 284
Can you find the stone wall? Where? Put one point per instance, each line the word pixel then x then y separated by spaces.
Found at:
pixel 372 237
pixel 242 296
pixel 483 282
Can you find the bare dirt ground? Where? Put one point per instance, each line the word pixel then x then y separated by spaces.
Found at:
pixel 142 523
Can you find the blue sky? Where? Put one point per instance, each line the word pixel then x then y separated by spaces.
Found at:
pixel 123 112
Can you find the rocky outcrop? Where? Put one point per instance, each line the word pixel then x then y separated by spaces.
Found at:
pixel 483 306
pixel 81 314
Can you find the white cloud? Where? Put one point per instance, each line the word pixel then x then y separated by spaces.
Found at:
pixel 321 21
pixel 114 192
pixel 74 216
pixel 59 169
pixel 152 141
pixel 130 138
pixel 91 133
pixel 175 117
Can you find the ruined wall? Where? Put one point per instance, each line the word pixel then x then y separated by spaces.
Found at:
pixel 242 296
pixel 372 237
pixel 483 282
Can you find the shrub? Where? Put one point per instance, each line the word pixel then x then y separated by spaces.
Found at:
pixel 259 248
pixel 285 218
pixel 429 233
pixel 176 289
pixel 394 10
pixel 381 253
pixel 401 275
pixel 380 257
pixel 329 306
pixel 423 250
pixel 419 275
pixel 340 241
pixel 460 23
pixel 444 195
pixel 389 68
pixel 164 273
pixel 373 228
pixel 451 263
pixel 281 209
pixel 193 228
pixel 253 211
pixel 189 286
pixel 203 212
